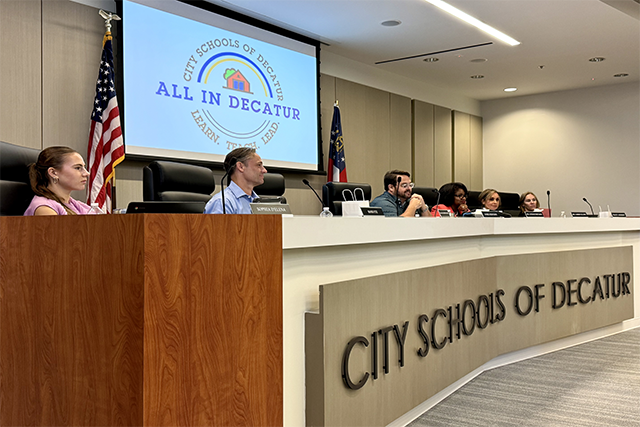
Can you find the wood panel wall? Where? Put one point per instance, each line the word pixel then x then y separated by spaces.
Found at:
pixel 467 150
pixel 71 49
pixel 20 73
pixel 433 158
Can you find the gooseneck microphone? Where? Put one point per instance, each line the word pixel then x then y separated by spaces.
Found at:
pixel 232 164
pixel 437 201
pixel 398 181
pixel 306 182
pixel 587 202
pixel 549 200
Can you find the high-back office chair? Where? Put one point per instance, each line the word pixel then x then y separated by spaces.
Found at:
pixel 177 182
pixel 273 186
pixel 332 194
pixel 508 202
pixel 473 202
pixel 15 190
pixel 429 195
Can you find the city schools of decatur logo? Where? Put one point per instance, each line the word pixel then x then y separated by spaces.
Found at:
pixel 236 97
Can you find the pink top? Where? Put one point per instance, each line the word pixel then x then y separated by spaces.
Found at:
pixel 435 209
pixel 74 205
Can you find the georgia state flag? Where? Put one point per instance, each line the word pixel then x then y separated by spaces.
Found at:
pixel 337 167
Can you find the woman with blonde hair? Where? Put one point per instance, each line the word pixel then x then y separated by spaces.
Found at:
pixel 490 199
pixel 529 203
pixel 57 172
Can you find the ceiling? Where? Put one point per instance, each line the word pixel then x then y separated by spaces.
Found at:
pixel 557 39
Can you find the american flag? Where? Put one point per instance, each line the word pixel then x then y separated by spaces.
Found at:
pixel 106 146
pixel 337 168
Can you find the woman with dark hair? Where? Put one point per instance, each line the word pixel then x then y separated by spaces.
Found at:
pixel 58 172
pixel 453 198
pixel 529 203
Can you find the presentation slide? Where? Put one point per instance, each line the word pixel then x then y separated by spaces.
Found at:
pixel 197 85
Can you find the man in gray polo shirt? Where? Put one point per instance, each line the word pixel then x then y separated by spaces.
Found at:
pixel 398 199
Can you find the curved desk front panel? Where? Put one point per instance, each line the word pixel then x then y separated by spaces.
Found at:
pixel 359 289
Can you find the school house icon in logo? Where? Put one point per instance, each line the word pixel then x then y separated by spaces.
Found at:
pixel 236 81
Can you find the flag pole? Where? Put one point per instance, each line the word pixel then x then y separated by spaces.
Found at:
pixel 108 17
pixel 106 145
pixel 336 167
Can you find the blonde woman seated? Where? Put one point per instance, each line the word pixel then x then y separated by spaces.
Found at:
pixel 58 172
pixel 529 203
pixel 490 199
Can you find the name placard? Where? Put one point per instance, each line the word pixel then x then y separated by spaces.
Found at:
pixel 371 211
pixel 270 208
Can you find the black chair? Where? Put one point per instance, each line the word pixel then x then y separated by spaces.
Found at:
pixel 15 190
pixel 429 195
pixel 273 187
pixel 508 202
pixel 177 182
pixel 333 197
pixel 473 201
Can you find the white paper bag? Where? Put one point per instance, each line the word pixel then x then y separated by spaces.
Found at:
pixel 352 207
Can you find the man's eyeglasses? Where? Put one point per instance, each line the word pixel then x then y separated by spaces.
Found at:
pixel 405 185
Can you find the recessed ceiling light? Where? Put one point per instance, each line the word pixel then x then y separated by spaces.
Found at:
pixel 479 60
pixel 391 23
pixel 478 76
pixel 431 59
pixel 597 59
pixel 621 75
pixel 510 89
pixel 473 21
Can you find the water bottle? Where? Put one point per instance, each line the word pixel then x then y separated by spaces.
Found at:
pixel 326 213
pixel 95 209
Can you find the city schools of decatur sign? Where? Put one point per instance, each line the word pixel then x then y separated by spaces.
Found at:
pixel 462 319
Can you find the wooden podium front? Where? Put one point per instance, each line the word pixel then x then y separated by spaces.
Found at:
pixel 152 320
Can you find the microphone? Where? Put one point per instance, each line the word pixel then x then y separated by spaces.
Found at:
pixel 306 182
pixel 549 200
pixel 437 202
pixel 232 164
pixel 587 202
pixel 398 181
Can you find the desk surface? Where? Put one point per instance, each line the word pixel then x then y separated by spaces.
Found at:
pixel 311 231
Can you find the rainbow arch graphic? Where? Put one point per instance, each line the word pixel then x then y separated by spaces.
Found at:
pixel 223 57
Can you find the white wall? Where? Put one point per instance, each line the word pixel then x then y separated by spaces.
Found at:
pixel 578 143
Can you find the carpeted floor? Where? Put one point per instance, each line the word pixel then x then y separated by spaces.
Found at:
pixel 592 384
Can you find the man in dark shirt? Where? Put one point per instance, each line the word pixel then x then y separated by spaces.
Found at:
pixel 398 199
